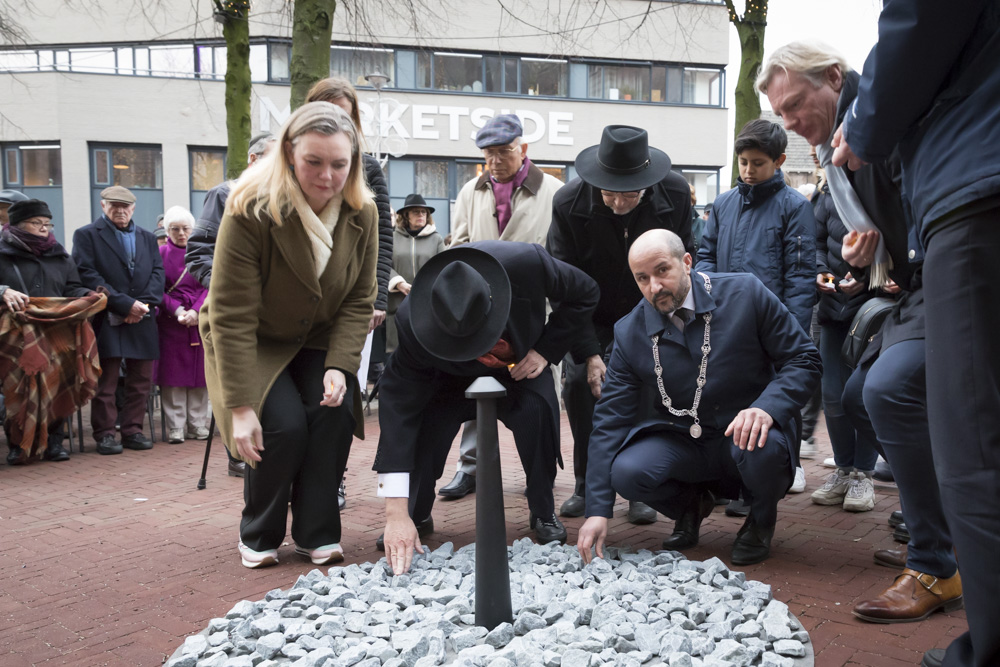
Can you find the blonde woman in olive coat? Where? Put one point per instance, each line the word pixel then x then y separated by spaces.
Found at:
pixel 283 326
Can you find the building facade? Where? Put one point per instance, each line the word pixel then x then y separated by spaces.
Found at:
pixel 136 98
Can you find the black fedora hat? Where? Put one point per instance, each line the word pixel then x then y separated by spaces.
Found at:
pixel 459 304
pixel 414 201
pixel 623 161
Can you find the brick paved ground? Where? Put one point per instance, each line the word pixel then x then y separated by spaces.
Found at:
pixel 113 560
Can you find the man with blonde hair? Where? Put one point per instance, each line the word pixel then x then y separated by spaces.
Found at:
pixel 810 87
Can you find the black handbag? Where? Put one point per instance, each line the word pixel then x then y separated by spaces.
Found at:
pixel 866 325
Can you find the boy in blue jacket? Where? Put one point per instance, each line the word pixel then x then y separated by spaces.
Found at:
pixel 766 228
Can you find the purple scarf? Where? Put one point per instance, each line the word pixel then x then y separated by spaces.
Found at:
pixel 502 193
pixel 25 240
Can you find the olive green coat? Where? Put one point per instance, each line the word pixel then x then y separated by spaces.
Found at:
pixel 265 304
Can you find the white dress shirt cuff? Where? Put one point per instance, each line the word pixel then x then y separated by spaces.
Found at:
pixel 394 485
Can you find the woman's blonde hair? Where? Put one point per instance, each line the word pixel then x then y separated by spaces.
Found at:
pixel 403 217
pixel 333 88
pixel 268 185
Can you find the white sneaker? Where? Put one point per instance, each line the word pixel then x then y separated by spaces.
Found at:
pixel 199 433
pixel 807 449
pixel 860 493
pixel 834 489
pixel 175 436
pixel 799 484
pixel 331 553
pixel 255 559
pixel 829 463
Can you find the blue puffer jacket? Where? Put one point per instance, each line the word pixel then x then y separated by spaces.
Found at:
pixel 768 230
pixel 938 104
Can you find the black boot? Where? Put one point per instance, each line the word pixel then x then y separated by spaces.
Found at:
pixel 688 525
pixel 753 543
pixel 576 504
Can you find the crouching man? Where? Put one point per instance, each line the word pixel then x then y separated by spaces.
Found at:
pixel 730 369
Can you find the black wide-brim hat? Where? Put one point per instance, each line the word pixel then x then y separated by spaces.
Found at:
pixel 459 304
pixel 414 201
pixel 623 161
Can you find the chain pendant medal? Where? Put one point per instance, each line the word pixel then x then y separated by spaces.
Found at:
pixel 706 347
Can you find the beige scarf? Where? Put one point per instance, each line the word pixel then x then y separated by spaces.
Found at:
pixel 319 228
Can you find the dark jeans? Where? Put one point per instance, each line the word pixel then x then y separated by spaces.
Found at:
pixel 810 413
pixel 138 381
pixel 851 448
pixel 527 414
pixel 662 469
pixel 889 398
pixel 963 390
pixel 305 452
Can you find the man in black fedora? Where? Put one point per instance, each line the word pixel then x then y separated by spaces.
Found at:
pixel 624 188
pixel 477 310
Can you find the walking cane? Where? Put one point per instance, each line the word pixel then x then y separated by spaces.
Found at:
pixel 208 449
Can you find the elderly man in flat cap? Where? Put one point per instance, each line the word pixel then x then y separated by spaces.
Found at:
pixel 511 201
pixel 121 257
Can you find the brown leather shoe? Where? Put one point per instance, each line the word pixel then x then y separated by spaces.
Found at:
pixel 912 597
pixel 891 558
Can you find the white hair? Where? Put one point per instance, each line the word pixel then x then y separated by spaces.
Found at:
pixel 178 214
pixel 810 59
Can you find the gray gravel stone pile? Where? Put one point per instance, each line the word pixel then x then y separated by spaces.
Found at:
pixel 629 610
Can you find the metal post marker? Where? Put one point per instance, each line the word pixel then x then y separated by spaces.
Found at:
pixel 492 575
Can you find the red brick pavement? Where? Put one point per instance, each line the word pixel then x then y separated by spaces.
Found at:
pixel 114 560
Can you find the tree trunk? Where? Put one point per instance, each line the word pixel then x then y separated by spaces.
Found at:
pixel 746 101
pixel 237 34
pixel 312 27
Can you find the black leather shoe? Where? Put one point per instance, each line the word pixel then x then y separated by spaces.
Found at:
pixel 576 504
pixel 16 457
pixel 547 529
pixel 896 518
pixel 107 445
pixel 688 526
pixel 901 534
pixel 640 514
pixel 237 469
pixel 424 528
pixel 737 507
pixel 933 658
pixel 883 472
pixel 573 507
pixel 752 544
pixel 136 441
pixel 55 453
pixel 462 485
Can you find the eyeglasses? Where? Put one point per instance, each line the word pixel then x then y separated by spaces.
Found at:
pixel 39 225
pixel 627 196
pixel 499 153
pixel 186 230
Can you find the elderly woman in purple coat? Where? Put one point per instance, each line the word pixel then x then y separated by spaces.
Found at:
pixel 181 373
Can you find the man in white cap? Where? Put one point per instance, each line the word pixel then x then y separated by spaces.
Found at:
pixel 512 201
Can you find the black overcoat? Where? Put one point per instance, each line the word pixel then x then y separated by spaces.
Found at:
pixel 101 261
pixel 414 380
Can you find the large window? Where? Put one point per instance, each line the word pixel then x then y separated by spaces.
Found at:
pixel 450 71
pixel 544 77
pixel 134 166
pixel 431 178
pixel 35 169
pixel 354 63
pixel 208 169
pixel 619 82
pixel 705 182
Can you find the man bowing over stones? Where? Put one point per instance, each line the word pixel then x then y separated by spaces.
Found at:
pixel 473 311
pixel 730 368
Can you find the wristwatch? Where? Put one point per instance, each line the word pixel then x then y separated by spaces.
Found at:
pixel 3 288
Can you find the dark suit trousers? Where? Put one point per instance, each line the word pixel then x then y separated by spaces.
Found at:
pixel 962 294
pixel 664 468
pixel 580 404
pixel 887 402
pixel 306 446
pixel 138 381
pixel 525 413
